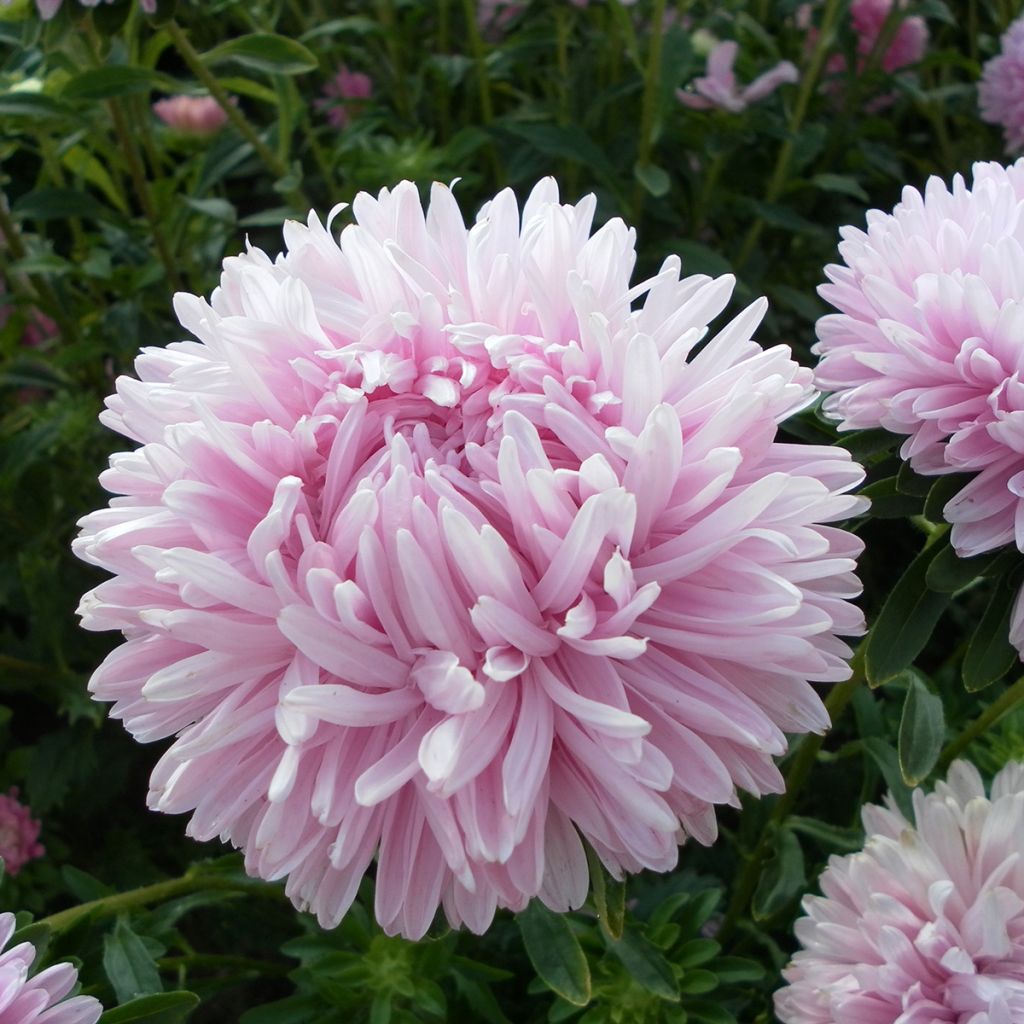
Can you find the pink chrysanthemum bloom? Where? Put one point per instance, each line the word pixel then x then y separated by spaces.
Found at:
pixel 906 47
pixel 344 95
pixel 926 924
pixel 19 834
pixel 49 8
pixel 720 89
pixel 199 116
pixel 927 344
pixel 38 1000
pixel 448 547
pixel 1001 89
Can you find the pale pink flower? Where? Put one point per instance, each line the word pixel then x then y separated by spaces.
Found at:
pixel 19 834
pixel 926 924
pixel 345 94
pixel 199 116
pixel 38 1000
pixel 1001 89
pixel 927 343
pixel 906 47
pixel 720 89
pixel 448 547
pixel 494 16
pixel 48 8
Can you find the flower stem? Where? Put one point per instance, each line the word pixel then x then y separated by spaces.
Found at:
pixel 1006 702
pixel 106 906
pixel 195 63
pixel 649 103
pixel 808 83
pixel 137 171
pixel 796 775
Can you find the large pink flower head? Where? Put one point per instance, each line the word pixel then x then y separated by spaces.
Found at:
pixel 927 343
pixel 926 924
pixel 19 834
pixel 25 1000
pixel 1001 89
pixel 448 547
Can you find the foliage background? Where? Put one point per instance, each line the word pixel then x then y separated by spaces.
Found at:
pixel 106 212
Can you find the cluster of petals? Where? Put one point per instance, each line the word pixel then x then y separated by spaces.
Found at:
pixel 200 116
pixel 343 95
pixel 19 834
pixel 1001 89
pixel 927 344
pixel 925 925
pixel 48 8
pixel 906 46
pixel 447 547
pixel 718 89
pixel 38 999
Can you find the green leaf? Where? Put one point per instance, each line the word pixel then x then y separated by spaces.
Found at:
pixel 555 953
pixel 83 886
pixel 55 204
pixel 646 966
pixel 129 964
pixel 840 183
pixel 699 258
pixel 114 80
pixel 889 502
pixel 35 105
pixel 265 51
pixel 167 1008
pixel 887 760
pixel 909 482
pixel 707 1011
pixel 989 654
pixel 609 896
pixel 735 970
pixel 699 982
pixel 653 178
pixel 949 572
pixel 862 444
pixel 568 142
pixel 943 489
pixel 833 837
pixel 922 730
pixel 782 879
pixel 905 623
pixel 696 952
pixel 37 933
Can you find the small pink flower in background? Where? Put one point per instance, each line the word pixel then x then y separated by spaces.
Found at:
pixel 25 1000
pixel 494 16
pixel 446 547
pixel 1001 89
pixel 926 924
pixel 48 8
pixel 906 47
pixel 198 116
pixel 720 89
pixel 345 95
pixel 927 343
pixel 19 834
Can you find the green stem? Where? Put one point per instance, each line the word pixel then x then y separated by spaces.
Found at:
pixel 483 83
pixel 39 291
pixel 137 172
pixel 107 906
pixel 31 668
pixel 649 104
pixel 1006 702
pixel 808 87
pixel 234 115
pixel 796 775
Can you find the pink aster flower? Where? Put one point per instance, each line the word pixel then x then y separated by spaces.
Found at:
pixel 926 924
pixel 927 344
pixel 19 834
pixel 1001 89
pixel 906 47
pixel 344 96
pixel 25 1000
pixel 449 547
pixel 48 8
pixel 199 116
pixel 720 89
